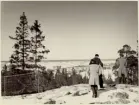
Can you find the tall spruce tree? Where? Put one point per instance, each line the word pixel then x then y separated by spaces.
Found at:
pixel 20 56
pixel 37 48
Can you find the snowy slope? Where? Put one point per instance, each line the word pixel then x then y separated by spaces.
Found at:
pixel 78 94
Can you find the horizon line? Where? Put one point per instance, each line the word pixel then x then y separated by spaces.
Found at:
pixel 65 59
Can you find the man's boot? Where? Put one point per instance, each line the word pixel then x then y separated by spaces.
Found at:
pixel 95 91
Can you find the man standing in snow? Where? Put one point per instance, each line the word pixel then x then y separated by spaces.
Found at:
pixel 98 61
pixel 122 73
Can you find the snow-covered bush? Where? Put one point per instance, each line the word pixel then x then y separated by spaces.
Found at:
pixel 120 95
pixel 50 101
pixel 68 93
pixel 136 100
pixel 108 81
pixel 123 101
pixel 76 93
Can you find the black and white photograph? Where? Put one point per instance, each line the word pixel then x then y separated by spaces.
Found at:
pixel 69 52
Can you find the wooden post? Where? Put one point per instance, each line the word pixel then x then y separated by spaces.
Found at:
pixel 4 86
pixel 38 81
pixel 138 75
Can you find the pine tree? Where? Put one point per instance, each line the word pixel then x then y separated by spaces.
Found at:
pixel 20 56
pixel 37 48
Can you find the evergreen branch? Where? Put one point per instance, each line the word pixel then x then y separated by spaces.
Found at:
pixel 13 38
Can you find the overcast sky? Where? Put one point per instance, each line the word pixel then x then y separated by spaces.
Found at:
pixel 75 30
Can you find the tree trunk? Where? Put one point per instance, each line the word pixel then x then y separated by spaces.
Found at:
pixel 36 61
pixel 23 65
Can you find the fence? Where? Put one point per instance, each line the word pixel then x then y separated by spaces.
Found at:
pixel 33 82
pixel 18 84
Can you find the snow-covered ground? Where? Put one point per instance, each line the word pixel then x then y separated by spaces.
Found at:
pixel 78 94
